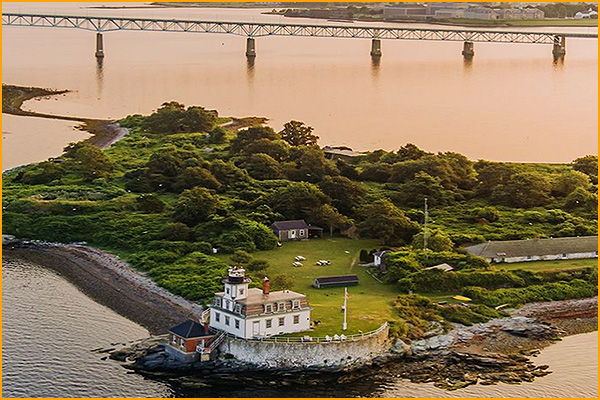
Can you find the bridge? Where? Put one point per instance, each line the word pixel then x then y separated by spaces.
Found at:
pixel 251 30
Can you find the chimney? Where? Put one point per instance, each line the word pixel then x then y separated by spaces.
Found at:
pixel 206 326
pixel 266 286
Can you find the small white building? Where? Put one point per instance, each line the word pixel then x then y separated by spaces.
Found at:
pixel 510 251
pixel 442 267
pixel 255 313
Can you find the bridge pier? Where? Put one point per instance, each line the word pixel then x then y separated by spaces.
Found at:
pixel 99 45
pixel 250 47
pixel 376 48
pixel 468 50
pixel 559 48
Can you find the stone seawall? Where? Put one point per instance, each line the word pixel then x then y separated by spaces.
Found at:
pixel 308 354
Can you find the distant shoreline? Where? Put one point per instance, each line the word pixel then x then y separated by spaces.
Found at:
pixel 104 132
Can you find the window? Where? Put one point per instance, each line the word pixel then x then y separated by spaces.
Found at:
pixel 295 303
pixel 238 308
pixel 296 319
pixel 226 320
pixel 227 290
pixel 174 339
pixel 269 323
pixel 301 232
pixel 268 308
pixel 217 317
pixel 182 344
pixel 218 302
pixel 241 292
pixel 281 321
pixel 281 306
pixel 237 324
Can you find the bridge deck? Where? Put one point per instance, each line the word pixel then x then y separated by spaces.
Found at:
pixel 251 29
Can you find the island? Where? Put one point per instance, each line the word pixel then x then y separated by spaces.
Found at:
pixel 184 199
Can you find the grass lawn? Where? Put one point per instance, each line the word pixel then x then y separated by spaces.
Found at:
pixel 554 265
pixel 370 303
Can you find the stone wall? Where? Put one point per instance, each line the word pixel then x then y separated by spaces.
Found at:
pixel 297 354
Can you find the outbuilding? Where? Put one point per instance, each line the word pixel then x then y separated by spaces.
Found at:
pixel 510 251
pixel 290 230
pixel 332 281
pixel 187 340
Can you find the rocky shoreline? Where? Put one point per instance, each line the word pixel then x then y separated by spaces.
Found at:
pixel 108 280
pixel 499 350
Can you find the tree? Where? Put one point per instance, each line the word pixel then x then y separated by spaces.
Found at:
pixel 149 203
pixel 278 149
pixel 377 172
pixel 298 200
pixel 196 176
pixel 172 117
pixel 383 220
pixel 91 162
pixel 241 257
pixel 400 265
pixel 423 185
pixel 587 164
pixel 437 240
pixel 568 181
pixel 228 173
pixel 282 282
pixel 262 167
pixel 525 190
pixel 177 232
pixel 330 217
pixel 344 194
pixel 251 135
pixel 309 164
pixel 194 206
pixel 492 174
pixel 581 198
pixel 410 152
pixel 298 134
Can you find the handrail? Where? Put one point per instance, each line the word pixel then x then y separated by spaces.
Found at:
pixel 349 338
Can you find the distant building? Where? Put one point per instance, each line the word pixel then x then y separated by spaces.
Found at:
pixel 447 13
pixel 537 249
pixel 519 13
pixel 255 313
pixel 586 15
pixel 290 230
pixel 407 11
pixel 480 13
pixel 331 281
pixel 187 340
pixel 340 152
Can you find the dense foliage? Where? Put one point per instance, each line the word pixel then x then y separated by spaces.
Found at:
pixel 180 187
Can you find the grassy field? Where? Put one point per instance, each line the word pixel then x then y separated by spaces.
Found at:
pixel 555 265
pixel 370 302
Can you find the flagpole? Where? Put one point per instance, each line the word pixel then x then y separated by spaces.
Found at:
pixel 345 325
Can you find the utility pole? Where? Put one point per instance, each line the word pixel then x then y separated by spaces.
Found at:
pixel 345 324
pixel 425 226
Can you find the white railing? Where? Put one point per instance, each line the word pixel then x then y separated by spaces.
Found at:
pixel 327 339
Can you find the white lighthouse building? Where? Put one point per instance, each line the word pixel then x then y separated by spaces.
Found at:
pixel 255 313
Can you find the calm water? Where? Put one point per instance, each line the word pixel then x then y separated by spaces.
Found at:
pixel 49 329
pixel 511 103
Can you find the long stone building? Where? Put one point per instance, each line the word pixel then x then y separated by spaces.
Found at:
pixel 537 249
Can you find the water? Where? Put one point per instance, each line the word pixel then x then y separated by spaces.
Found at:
pixel 48 331
pixel 511 103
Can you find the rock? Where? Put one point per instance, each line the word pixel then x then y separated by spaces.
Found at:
pixel 401 348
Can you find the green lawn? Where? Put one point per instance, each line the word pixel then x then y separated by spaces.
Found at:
pixel 555 265
pixel 370 303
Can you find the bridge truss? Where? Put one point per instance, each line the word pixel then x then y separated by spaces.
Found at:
pixel 107 24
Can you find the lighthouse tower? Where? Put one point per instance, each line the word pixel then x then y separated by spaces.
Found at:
pixel 236 284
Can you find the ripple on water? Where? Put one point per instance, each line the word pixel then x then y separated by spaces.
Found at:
pixel 49 329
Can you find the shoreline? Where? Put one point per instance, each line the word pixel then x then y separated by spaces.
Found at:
pixel 110 282
pixel 103 132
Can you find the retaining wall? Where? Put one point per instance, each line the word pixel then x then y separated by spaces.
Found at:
pixel 299 354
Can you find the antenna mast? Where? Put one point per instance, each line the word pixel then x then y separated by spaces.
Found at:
pixel 425 226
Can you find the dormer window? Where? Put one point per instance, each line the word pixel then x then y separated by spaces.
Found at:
pixel 218 302
pixel 238 308
pixel 295 303
pixel 241 292
pixel 268 308
pixel 281 306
